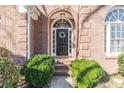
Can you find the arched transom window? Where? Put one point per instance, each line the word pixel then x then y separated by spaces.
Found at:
pixel 62 23
pixel 115 32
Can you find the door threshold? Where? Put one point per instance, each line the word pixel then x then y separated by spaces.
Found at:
pixel 62 57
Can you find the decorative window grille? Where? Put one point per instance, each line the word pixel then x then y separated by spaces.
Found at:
pixel 62 23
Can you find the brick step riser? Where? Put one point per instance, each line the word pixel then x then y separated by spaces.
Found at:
pixel 66 63
pixel 61 74
pixel 61 68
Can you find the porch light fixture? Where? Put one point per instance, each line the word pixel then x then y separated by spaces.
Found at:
pixel 22 9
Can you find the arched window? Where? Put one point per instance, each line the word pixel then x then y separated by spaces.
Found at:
pixel 62 23
pixel 115 32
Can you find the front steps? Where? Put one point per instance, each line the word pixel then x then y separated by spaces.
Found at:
pixel 62 67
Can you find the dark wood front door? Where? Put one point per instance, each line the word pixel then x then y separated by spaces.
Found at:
pixel 62 42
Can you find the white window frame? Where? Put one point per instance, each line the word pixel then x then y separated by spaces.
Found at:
pixel 108 39
pixel 108 33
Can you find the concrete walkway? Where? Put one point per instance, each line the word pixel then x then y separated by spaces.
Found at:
pixel 61 82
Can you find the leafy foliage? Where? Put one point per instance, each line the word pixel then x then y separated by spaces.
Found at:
pixel 87 73
pixel 121 64
pixel 8 72
pixel 39 70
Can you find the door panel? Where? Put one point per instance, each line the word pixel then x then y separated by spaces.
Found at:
pixel 62 42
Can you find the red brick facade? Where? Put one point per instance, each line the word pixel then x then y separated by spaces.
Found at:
pixel 88 29
pixel 13 31
pixel 41 35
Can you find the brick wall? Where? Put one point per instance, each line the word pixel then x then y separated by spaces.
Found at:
pixel 13 32
pixel 91 33
pixel 32 37
pixel 92 36
pixel 41 35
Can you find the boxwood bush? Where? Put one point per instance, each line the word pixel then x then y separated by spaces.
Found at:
pixel 87 73
pixel 39 70
pixel 121 64
pixel 9 73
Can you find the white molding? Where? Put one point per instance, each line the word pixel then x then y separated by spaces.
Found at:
pixel 107 39
pixel 28 33
pixel 33 12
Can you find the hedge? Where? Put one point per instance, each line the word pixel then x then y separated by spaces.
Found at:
pixel 121 64
pixel 39 70
pixel 9 73
pixel 87 73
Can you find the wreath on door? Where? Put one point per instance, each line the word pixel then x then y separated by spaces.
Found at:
pixel 61 34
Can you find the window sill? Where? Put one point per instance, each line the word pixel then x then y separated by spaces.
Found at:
pixel 112 56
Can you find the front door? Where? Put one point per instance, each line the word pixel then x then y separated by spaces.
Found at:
pixel 62 42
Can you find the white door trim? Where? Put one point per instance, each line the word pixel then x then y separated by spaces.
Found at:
pixel 55 30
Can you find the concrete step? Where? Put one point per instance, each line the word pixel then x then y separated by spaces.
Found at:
pixel 62 73
pixel 63 62
pixel 61 67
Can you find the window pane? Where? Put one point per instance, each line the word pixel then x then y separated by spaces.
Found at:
pixel 53 41
pixel 123 35
pixel 53 36
pixel 121 11
pixel 122 49
pixel 115 11
pixel 118 46
pixel 112 48
pixel 118 27
pixel 122 27
pixel 53 31
pixel 112 42
pixel 112 27
pixel 107 18
pixel 113 18
pixel 69 50
pixel 53 50
pixel 118 34
pixel 120 15
pixel 112 34
pixel 122 18
pixel 53 45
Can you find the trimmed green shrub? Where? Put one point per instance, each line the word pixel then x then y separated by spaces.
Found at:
pixel 39 70
pixel 87 73
pixel 9 73
pixel 121 64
